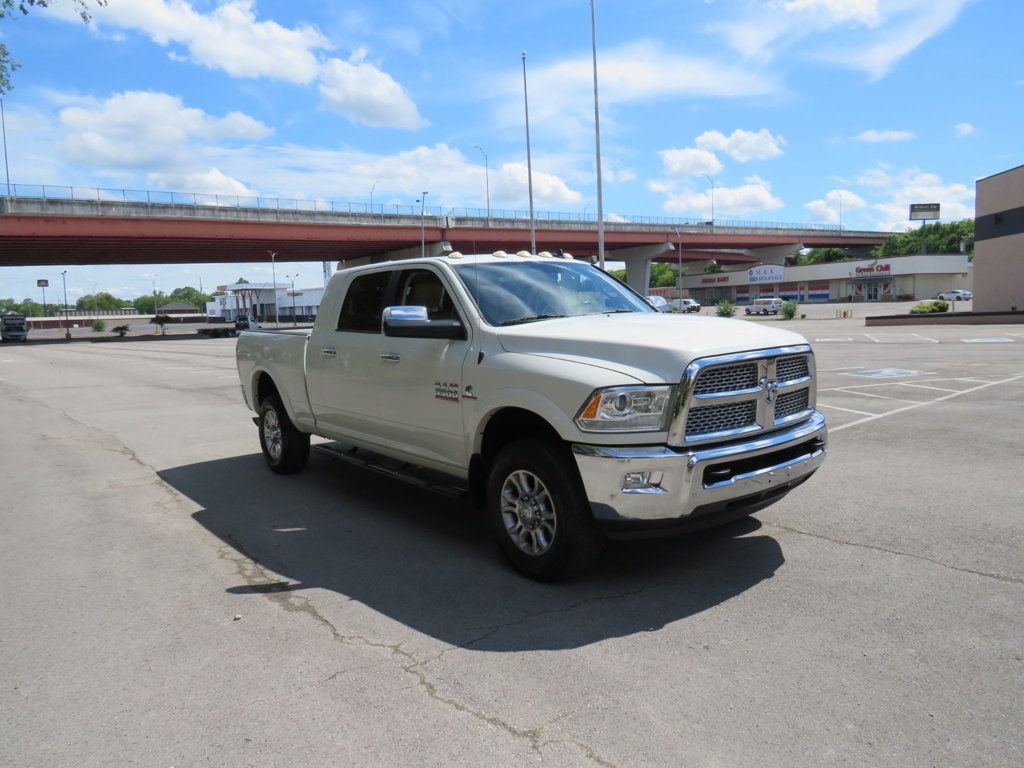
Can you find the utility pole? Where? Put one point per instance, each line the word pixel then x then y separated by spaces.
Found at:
pixel 529 160
pixel 67 331
pixel 487 182
pixel 597 142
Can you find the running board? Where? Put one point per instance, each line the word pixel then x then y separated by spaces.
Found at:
pixel 403 471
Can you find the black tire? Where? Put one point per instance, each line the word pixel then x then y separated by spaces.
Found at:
pixel 285 448
pixel 539 511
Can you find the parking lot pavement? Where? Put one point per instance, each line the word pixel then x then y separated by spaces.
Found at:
pixel 169 601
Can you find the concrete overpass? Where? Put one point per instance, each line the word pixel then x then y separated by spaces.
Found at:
pixel 44 231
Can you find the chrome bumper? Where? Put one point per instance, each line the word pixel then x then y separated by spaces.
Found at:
pixel 661 483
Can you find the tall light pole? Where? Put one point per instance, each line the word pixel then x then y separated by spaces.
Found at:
pixel 712 198
pixel 292 278
pixel 840 211
pixel 423 237
pixel 67 331
pixel 597 143
pixel 487 182
pixel 7 172
pixel 679 254
pixel 371 194
pixel 273 276
pixel 529 160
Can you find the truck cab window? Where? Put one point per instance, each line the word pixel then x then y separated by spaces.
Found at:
pixel 364 303
pixel 423 288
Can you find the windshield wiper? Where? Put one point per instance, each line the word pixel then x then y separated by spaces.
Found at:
pixel 531 319
pixel 615 311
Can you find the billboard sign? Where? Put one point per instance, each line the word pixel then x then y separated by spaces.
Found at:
pixel 766 273
pixel 42 283
pixel 924 211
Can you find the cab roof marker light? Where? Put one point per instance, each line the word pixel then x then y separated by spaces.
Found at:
pixel 500 255
pixel 545 254
pixel 567 255
pixel 454 255
pixel 523 254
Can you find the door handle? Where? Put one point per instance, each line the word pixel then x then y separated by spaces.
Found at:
pixel 332 351
pixel 391 357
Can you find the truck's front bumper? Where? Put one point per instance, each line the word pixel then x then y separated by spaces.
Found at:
pixel 632 485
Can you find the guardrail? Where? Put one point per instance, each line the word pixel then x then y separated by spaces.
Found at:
pixel 163 199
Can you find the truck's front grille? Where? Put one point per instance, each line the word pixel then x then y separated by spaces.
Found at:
pixel 790 403
pixel 727 378
pixel 730 396
pixel 720 418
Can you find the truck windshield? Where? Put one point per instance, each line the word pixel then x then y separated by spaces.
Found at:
pixel 528 291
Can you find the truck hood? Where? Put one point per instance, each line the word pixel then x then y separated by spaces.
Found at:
pixel 651 347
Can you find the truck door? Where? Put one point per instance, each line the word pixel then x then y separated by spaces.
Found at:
pixel 343 361
pixel 420 380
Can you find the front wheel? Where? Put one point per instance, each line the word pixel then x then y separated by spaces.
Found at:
pixel 285 448
pixel 539 512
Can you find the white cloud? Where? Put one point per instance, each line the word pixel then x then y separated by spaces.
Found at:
pixel 755 196
pixel 964 129
pixel 873 136
pixel 210 182
pixel 561 94
pixel 690 162
pixel 859 34
pixel 512 185
pixel 912 185
pixel 743 145
pixel 830 208
pixel 145 130
pixel 229 37
pixel 364 94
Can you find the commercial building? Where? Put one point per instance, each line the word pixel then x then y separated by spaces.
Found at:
pixel 260 300
pixel 999 242
pixel 891 279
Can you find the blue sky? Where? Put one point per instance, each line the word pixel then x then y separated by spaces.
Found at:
pixel 790 106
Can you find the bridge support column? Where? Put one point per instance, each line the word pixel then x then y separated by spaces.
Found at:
pixel 638 264
pixel 775 254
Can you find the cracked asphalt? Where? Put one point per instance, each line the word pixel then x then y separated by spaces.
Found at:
pixel 170 602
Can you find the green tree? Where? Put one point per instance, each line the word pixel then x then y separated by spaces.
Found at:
pixel 939 237
pixel 191 296
pixel 712 267
pixel 145 304
pixel 7 8
pixel 662 275
pixel 101 300
pixel 823 256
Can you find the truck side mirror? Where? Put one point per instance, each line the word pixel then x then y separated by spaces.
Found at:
pixel 412 322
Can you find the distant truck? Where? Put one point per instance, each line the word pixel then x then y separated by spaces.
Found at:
pixel 13 327
pixel 222 330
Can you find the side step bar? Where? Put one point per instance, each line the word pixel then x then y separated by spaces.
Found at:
pixel 406 473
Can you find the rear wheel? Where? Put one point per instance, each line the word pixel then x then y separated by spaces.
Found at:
pixel 285 448
pixel 539 511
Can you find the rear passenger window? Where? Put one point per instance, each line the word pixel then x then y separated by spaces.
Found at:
pixel 364 303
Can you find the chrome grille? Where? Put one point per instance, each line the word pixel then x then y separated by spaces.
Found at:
pixel 790 403
pixel 726 378
pixel 789 368
pixel 725 397
pixel 719 418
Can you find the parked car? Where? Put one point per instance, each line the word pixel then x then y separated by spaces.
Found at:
pixel 764 307
pixel 684 305
pixel 956 294
pixel 660 303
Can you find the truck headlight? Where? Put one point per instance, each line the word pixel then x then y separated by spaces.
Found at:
pixel 626 409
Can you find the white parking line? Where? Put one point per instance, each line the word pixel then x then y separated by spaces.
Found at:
pixel 901 338
pixel 925 386
pixel 926 338
pixel 870 394
pixel 847 368
pixel 840 408
pixel 950 396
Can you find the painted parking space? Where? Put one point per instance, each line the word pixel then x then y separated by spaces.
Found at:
pixel 991 340
pixel 888 373
pixel 901 338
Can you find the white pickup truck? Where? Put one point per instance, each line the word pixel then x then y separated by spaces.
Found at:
pixel 547 390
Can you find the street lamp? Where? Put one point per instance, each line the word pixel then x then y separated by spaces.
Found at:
pixel 371 194
pixel 712 198
pixel 273 277
pixel 64 279
pixel 292 278
pixel 597 142
pixel 487 181
pixel 529 160
pixel 679 254
pixel 423 239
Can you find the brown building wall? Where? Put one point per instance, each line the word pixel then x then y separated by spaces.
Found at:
pixel 999 243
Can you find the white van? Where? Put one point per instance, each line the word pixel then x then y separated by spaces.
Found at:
pixel 769 306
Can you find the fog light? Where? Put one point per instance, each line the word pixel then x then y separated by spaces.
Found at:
pixel 636 480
